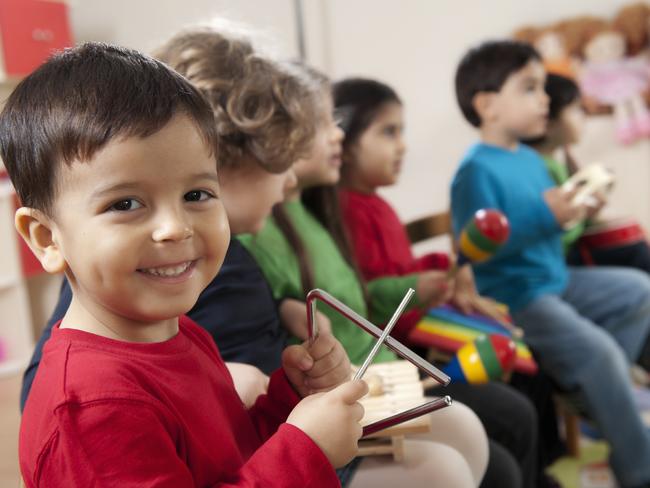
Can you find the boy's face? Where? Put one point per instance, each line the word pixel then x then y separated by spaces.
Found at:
pixel 249 193
pixel 520 108
pixel 141 226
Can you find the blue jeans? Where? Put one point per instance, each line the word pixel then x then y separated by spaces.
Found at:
pixel 585 340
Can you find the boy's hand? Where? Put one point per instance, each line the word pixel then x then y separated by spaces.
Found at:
pixel 600 200
pixel 467 299
pixel 321 367
pixel 293 315
pixel 560 203
pixel 434 288
pixel 331 420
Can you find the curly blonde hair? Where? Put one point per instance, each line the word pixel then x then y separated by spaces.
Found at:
pixel 263 108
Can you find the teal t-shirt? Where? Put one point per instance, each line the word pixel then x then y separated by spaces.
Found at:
pixel 332 273
pixel 531 263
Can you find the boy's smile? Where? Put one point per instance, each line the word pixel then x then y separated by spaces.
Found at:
pixel 142 231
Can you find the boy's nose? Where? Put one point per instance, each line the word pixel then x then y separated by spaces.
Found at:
pixel 546 100
pixel 172 228
pixel 401 146
pixel 337 134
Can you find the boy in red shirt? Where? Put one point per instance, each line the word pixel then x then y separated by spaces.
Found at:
pixel 114 157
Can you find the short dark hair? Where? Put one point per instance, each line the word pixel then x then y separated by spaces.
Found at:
pixel 485 68
pixel 80 100
pixel 357 101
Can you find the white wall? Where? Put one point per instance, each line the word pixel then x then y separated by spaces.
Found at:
pixel 143 24
pixel 415 45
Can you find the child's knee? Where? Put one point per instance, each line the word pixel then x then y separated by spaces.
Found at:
pixel 459 427
pixel 605 355
pixel 637 285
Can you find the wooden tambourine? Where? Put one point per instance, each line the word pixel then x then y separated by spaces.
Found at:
pixel 590 180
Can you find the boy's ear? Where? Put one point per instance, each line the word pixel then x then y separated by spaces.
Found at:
pixel 484 103
pixel 37 230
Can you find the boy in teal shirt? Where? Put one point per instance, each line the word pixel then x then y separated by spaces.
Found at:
pixel 585 325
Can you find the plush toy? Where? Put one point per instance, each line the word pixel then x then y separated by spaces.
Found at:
pixel 611 78
pixel 634 21
pixel 552 46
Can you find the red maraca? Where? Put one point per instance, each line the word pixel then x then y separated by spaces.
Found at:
pixel 483 236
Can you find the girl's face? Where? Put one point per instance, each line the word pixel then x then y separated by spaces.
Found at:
pixel 249 193
pixel 376 158
pixel 571 122
pixel 323 166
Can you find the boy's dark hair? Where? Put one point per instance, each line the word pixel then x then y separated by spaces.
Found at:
pixel 486 68
pixel 356 102
pixel 80 100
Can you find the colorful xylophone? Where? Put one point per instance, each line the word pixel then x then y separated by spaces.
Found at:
pixel 447 329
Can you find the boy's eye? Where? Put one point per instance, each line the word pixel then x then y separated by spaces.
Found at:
pixel 125 205
pixel 197 196
pixel 391 130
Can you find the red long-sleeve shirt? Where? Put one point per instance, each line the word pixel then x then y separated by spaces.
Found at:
pixel 382 247
pixel 112 413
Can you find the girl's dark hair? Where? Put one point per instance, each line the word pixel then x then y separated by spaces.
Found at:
pixel 562 92
pixel 323 203
pixel 356 102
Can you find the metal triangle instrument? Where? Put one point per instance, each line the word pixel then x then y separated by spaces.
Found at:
pixel 397 347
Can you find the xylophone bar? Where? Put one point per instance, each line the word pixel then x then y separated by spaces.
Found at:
pixel 412 413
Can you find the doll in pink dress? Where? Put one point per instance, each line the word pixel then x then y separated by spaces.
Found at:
pixel 610 78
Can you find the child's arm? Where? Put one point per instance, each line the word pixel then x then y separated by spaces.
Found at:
pixel 367 242
pixel 131 443
pixel 306 369
pixel 381 245
pixel 293 315
pixel 475 188
pixel 432 289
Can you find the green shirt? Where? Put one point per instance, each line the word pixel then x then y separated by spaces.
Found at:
pixel 560 174
pixel 332 273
